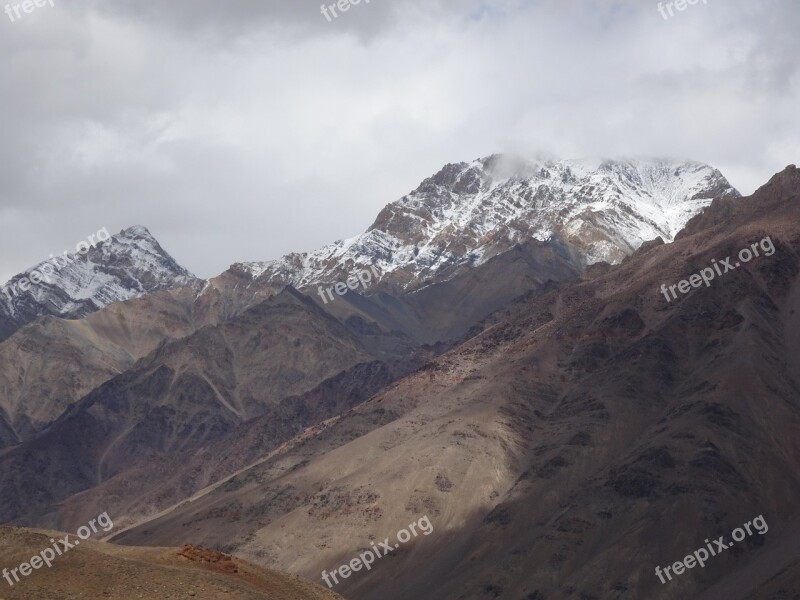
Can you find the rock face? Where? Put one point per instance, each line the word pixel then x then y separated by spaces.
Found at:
pixel 128 265
pixel 470 212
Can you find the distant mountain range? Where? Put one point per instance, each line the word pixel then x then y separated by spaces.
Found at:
pixel 457 219
pixel 463 217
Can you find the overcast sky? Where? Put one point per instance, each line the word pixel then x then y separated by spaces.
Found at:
pixel 242 130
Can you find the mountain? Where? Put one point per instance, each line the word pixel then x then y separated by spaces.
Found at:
pixel 592 433
pixel 469 212
pixel 259 379
pixel 99 570
pixel 124 266
pixel 51 363
pixel 455 220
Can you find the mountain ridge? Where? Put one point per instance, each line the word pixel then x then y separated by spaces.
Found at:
pixel 440 228
pixel 454 220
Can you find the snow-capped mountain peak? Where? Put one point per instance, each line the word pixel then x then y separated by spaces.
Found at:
pixel 124 266
pixel 468 212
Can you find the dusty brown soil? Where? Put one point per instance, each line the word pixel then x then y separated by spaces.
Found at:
pixel 97 570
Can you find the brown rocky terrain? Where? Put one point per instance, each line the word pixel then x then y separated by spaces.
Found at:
pixel 184 395
pixel 50 364
pixel 128 451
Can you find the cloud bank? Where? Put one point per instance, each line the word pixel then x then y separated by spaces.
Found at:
pixel 247 129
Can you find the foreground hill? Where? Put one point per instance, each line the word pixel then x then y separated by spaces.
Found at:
pixel 99 570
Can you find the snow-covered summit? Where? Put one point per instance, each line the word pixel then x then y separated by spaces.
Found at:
pixel 468 212
pixel 127 265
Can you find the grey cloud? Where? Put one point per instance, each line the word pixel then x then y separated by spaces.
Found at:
pixel 234 18
pixel 242 130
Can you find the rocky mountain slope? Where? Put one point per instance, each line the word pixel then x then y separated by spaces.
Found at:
pixel 275 355
pixel 182 396
pixel 49 364
pixel 593 434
